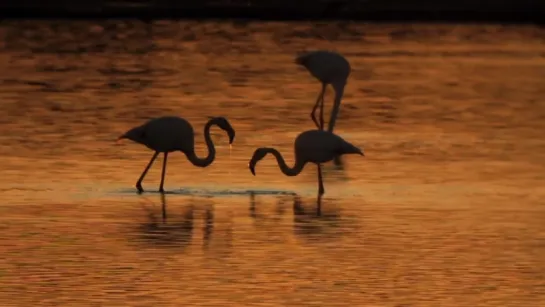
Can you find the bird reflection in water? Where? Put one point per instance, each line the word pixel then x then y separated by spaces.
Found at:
pixel 310 222
pixel 314 224
pixel 279 210
pixel 208 227
pixel 173 231
pixel 217 233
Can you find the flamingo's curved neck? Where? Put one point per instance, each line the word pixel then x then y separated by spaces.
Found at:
pixel 204 162
pixel 288 171
pixel 339 92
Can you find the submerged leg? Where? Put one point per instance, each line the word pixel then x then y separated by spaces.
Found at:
pixel 321 190
pixel 139 182
pixel 320 99
pixel 163 207
pixel 252 205
pixel 163 172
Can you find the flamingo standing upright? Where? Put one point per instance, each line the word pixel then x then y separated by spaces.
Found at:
pixel 328 67
pixel 314 146
pixel 171 133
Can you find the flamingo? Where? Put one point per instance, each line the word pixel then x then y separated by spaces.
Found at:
pixel 171 133
pixel 328 67
pixel 314 146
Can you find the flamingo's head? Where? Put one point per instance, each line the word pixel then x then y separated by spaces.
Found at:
pixel 259 154
pixel 224 124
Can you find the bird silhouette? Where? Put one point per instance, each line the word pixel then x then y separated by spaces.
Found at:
pixel 328 67
pixel 315 146
pixel 332 68
pixel 171 133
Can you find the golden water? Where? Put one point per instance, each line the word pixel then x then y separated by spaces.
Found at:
pixel 446 209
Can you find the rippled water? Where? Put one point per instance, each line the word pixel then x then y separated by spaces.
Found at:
pixel 446 209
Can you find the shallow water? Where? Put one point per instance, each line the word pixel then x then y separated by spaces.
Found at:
pixel 446 209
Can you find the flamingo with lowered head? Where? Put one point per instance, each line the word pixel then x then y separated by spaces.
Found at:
pixel 171 133
pixel 329 68
pixel 312 146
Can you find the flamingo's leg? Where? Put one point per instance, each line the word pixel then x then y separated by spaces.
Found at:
pixel 139 182
pixel 163 172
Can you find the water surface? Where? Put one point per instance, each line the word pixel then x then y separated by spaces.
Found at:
pixel 446 209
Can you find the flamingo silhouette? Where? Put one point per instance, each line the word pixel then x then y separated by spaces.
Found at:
pixel 170 133
pixel 328 67
pixel 315 146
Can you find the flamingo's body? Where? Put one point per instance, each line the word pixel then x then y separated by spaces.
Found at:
pixel 312 146
pixel 329 68
pixel 170 133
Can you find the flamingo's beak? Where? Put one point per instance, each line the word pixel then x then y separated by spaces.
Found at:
pixel 251 166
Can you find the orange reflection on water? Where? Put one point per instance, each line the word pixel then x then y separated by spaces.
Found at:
pixel 444 210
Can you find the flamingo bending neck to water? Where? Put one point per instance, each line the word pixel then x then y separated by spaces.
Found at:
pixel 171 133
pixel 312 146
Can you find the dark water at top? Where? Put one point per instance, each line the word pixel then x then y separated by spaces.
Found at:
pixel 446 209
